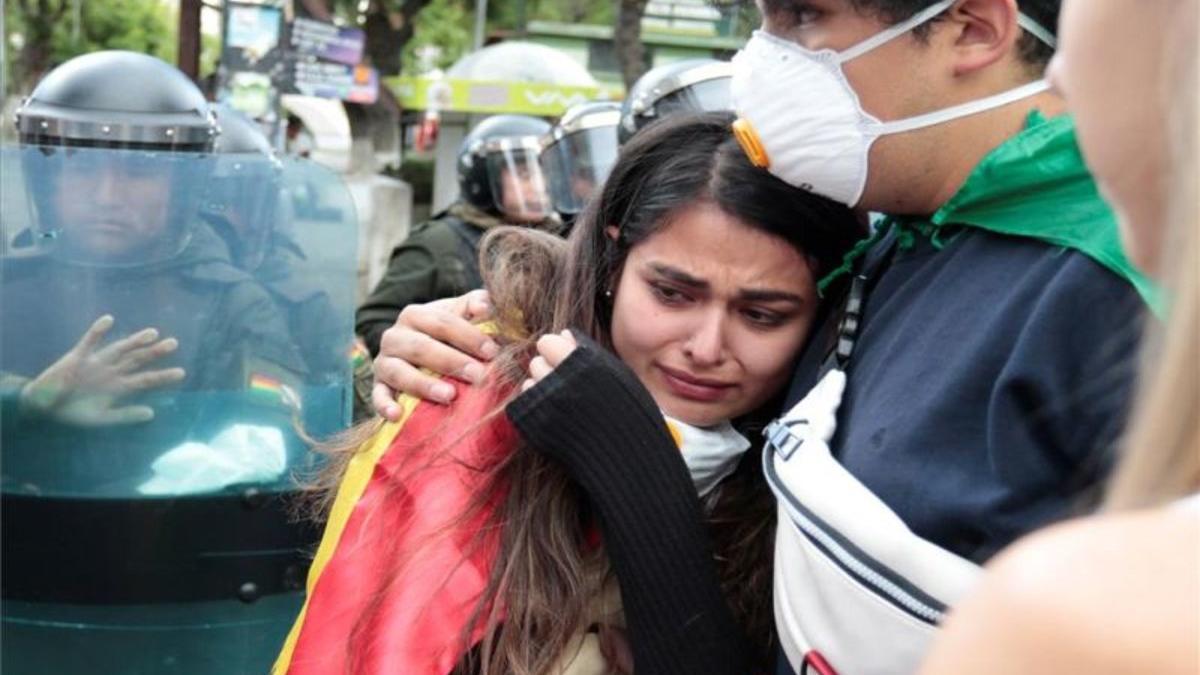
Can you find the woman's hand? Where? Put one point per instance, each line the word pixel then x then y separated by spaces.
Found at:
pixel 84 386
pixel 552 350
pixel 440 336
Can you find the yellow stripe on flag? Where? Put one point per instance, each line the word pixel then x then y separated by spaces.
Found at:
pixel 354 483
pixel 676 435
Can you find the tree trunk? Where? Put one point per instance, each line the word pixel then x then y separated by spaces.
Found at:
pixel 627 40
pixel 382 41
pixel 188 51
pixel 314 9
pixel 387 31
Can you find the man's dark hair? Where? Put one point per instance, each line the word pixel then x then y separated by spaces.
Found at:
pixel 1031 49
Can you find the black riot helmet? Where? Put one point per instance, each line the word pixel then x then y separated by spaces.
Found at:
pixel 117 99
pixel 124 128
pixel 691 85
pixel 578 153
pixel 243 198
pixel 498 168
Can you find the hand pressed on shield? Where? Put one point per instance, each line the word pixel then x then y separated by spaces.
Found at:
pixel 439 336
pixel 84 387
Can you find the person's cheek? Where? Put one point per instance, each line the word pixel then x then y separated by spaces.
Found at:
pixel 769 362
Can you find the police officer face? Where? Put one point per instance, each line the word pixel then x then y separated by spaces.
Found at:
pixel 524 198
pixel 583 185
pixel 114 206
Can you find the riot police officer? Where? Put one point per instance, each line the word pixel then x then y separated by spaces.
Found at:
pixel 116 168
pixel 500 182
pixel 578 153
pixel 245 206
pixel 138 544
pixel 690 85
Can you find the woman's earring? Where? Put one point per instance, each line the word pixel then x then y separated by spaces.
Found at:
pixel 608 294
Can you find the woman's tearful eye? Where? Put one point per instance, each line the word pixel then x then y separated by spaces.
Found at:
pixel 764 318
pixel 668 295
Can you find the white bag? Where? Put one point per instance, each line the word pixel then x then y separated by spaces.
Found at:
pixel 856 592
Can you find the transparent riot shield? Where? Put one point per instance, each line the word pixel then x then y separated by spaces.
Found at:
pixel 161 395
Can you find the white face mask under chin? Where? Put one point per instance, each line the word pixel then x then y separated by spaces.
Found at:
pixel 800 118
pixel 710 454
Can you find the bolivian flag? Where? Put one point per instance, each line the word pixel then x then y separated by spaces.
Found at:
pixel 398 509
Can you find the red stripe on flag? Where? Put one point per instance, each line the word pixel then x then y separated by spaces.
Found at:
pixel 418 487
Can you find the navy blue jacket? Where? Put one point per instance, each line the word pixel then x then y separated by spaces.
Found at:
pixel 989 385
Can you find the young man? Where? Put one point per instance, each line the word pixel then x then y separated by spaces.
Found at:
pixel 991 370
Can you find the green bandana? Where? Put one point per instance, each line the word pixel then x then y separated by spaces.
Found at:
pixel 1034 185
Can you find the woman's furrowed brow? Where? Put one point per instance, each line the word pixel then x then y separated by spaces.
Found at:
pixel 677 275
pixel 745 294
pixel 769 295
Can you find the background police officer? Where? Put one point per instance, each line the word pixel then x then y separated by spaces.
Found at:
pixel 500 182
pixel 690 85
pixel 577 155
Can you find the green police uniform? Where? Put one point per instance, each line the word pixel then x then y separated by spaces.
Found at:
pixel 439 259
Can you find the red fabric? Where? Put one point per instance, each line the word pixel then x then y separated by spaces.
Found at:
pixel 403 515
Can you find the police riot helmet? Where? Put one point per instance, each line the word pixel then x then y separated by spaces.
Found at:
pixel 243 198
pixel 125 127
pixel 690 85
pixel 498 168
pixel 117 99
pixel 578 153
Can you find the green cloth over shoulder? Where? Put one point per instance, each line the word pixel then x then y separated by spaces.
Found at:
pixel 1034 185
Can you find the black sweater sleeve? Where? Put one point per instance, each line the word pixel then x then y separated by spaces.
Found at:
pixel 594 417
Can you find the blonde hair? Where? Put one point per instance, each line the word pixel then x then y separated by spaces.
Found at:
pixel 1162 449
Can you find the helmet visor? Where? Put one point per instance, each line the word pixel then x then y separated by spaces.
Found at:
pixel 519 190
pixel 576 166
pixel 242 204
pixel 106 207
pixel 712 95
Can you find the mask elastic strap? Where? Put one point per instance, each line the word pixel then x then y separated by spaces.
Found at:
pixel 894 32
pixel 879 39
pixel 963 110
pixel 1036 29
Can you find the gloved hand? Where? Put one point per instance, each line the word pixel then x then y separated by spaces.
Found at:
pixel 85 386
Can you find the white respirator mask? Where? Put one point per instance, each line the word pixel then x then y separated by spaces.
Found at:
pixel 711 454
pixel 799 117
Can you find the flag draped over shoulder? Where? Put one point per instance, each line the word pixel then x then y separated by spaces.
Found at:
pixel 397 517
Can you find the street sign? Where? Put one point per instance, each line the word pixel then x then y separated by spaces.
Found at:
pixel 327 41
pixel 356 84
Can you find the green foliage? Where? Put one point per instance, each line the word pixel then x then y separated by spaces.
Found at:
pixel 446 24
pixel 449 24
pixel 145 26
pixel 506 16
pixel 49 30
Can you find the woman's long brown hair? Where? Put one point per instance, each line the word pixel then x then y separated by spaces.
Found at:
pixel 537 596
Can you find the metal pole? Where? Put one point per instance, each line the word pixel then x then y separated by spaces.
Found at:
pixel 480 21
